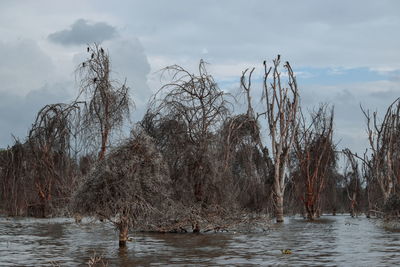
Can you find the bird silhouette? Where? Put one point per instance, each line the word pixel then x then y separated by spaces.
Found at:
pixel 92 55
pixel 88 49
pixel 102 50
pixel 264 63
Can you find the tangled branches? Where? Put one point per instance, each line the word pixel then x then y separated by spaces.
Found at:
pixel 108 102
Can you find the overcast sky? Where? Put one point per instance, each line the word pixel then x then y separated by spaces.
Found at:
pixel 344 52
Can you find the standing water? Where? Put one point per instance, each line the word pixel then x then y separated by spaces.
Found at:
pixel 330 241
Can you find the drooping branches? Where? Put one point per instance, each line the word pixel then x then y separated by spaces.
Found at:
pixel 49 142
pixel 191 108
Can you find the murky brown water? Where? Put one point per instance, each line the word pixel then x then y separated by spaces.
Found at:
pixel 333 241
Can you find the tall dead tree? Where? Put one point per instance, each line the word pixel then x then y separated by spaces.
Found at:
pixel 108 100
pixel 315 155
pixel 282 106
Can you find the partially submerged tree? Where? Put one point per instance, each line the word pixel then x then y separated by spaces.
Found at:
pixel 132 182
pixel 314 156
pixel 14 182
pixel 245 157
pixel 281 113
pixel 108 100
pixel 282 106
pixel 384 139
pixel 49 142
pixel 352 180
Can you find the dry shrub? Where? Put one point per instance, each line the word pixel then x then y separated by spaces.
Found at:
pixel 131 181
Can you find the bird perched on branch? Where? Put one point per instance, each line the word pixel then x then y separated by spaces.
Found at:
pixel 88 49
pixel 92 55
pixel 265 63
pixel 102 50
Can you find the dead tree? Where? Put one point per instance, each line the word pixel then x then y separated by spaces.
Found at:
pixel 107 100
pixel 14 192
pixel 384 140
pixel 192 107
pixel 314 156
pixel 282 105
pixel 245 157
pixel 49 142
pixel 132 182
pixel 352 179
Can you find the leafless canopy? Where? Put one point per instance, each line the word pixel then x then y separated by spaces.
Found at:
pixel 352 180
pixel 315 156
pixel 193 99
pixel 132 182
pixel 108 100
pixel 281 110
pixel 384 140
pixel 49 141
pixel 184 116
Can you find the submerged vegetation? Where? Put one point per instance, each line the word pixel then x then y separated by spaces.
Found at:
pixel 192 163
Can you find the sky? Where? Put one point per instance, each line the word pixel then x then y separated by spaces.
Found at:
pixel 345 53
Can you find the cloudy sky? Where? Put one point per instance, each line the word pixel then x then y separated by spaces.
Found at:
pixel 344 52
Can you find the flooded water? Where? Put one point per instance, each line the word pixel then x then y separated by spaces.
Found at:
pixel 332 241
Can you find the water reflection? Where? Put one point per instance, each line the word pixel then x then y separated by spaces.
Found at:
pixel 331 241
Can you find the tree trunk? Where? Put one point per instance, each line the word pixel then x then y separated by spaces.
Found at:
pixel 279 208
pixel 123 233
pixel 311 213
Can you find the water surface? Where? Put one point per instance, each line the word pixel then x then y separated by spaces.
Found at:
pixel 332 241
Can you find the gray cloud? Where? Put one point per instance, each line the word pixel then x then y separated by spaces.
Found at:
pixel 24 66
pixel 311 32
pixel 130 61
pixel 83 32
pixel 17 113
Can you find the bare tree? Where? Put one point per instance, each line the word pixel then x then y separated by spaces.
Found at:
pixel 49 141
pixel 315 155
pixel 384 140
pixel 108 100
pixel 282 105
pixel 192 108
pixel 352 181
pixel 281 113
pixel 14 191
pixel 132 182
pixel 245 156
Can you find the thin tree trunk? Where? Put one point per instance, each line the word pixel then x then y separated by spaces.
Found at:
pixel 279 208
pixel 123 233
